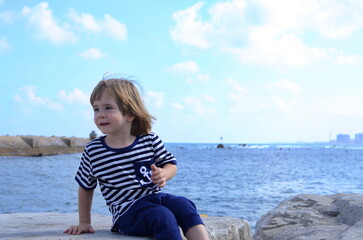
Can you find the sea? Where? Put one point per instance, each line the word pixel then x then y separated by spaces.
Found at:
pixel 241 181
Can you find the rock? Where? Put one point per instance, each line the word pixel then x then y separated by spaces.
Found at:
pixel 40 146
pixel 313 217
pixel 42 226
pixel 227 228
pixel 220 145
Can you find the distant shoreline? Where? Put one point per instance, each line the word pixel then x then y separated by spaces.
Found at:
pixel 40 145
pixel 31 145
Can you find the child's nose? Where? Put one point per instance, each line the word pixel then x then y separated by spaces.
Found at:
pixel 101 114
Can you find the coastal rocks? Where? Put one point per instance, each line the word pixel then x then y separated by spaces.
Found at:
pixel 43 226
pixel 313 217
pixel 40 146
pixel 227 228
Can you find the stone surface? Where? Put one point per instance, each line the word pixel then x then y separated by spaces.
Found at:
pixel 40 146
pixel 313 217
pixel 226 228
pixel 42 226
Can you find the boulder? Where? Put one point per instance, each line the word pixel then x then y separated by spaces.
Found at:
pixel 313 217
pixel 227 228
pixel 41 226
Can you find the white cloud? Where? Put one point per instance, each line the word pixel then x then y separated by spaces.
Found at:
pixel 333 19
pixel 177 106
pixel 155 99
pixel 41 18
pixel 287 49
pixel 227 12
pixel 184 68
pixel 6 16
pixel 203 78
pixel 208 98
pixel 238 90
pixel 284 86
pixel 271 32
pixel 283 105
pixel 280 99
pixel 4 44
pixel 190 69
pixel 107 25
pixel 74 97
pixel 201 105
pixel 268 49
pixel 189 28
pixel 348 106
pixel 283 97
pixel 87 21
pixel 92 54
pixel 74 103
pixel 225 18
pixel 27 98
pixel 341 57
pixel 243 102
pixel 115 28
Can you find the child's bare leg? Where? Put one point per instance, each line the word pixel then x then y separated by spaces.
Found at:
pixel 197 232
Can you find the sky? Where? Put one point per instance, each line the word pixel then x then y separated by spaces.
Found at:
pixel 234 71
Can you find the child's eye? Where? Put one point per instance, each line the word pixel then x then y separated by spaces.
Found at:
pixel 95 109
pixel 109 108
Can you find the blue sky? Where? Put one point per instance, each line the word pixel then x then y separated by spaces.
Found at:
pixel 250 71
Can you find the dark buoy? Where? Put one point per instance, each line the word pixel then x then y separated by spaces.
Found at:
pixel 220 145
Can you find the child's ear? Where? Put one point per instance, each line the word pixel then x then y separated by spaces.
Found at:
pixel 130 118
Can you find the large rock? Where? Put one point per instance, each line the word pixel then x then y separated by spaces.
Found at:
pixel 313 217
pixel 42 226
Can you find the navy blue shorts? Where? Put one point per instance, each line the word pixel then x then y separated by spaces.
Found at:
pixel 159 216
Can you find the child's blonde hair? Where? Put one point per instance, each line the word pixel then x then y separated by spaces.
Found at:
pixel 129 101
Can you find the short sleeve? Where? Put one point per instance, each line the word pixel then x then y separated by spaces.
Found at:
pixel 84 176
pixel 161 155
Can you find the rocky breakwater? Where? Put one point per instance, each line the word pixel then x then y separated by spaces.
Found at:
pixel 312 217
pixel 43 226
pixel 40 146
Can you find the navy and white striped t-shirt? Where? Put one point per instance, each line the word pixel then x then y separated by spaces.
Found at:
pixel 123 174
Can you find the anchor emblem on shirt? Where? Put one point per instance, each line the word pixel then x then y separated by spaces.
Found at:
pixel 146 174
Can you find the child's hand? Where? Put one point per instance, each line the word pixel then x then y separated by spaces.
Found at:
pixel 81 228
pixel 158 176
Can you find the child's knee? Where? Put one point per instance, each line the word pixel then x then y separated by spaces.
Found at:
pixel 175 203
pixel 186 213
pixel 162 217
pixel 164 225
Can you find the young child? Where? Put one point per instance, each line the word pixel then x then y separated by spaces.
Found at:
pixel 131 164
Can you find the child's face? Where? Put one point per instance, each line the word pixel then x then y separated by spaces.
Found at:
pixel 108 117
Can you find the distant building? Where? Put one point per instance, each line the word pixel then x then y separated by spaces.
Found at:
pixel 358 138
pixel 343 138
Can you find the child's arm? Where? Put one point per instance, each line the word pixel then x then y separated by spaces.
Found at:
pixel 161 175
pixel 84 211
